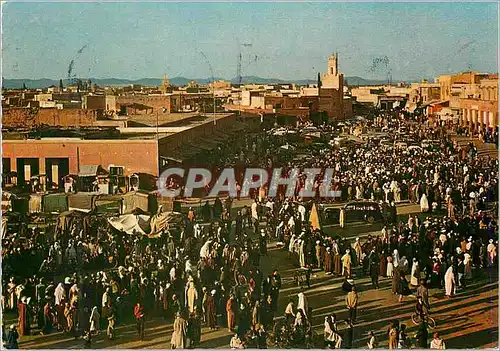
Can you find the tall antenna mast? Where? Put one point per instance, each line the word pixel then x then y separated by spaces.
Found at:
pixel 238 70
pixel 240 58
pixel 213 81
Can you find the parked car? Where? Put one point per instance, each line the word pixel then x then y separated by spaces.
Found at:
pixel 355 211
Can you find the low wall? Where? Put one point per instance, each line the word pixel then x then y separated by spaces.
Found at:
pixel 28 117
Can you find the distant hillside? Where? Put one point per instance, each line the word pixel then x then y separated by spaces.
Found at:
pixel 355 81
pixel 178 81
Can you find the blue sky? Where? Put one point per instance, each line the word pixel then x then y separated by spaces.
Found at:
pixel 290 40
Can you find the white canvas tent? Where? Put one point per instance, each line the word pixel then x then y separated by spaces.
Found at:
pixel 131 224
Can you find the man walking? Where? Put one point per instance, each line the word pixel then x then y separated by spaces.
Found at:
pixel 139 318
pixel 374 260
pixel 348 334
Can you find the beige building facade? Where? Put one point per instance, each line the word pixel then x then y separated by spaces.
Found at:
pixel 479 108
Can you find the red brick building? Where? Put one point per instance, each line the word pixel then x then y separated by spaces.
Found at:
pixel 139 150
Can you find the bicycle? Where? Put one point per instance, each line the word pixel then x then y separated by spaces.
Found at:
pixel 417 319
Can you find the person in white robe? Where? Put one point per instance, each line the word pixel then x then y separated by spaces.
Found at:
pixel 390 267
pixel 415 273
pixel 205 249
pixel 359 251
pixel 449 282
pixel 197 230
pixel 424 204
pixel 492 253
pixel 189 268
pixel 331 335
pixel 303 304
pixel 342 218
pixel 467 265
pixel 292 243
pixel 302 256
pixel 395 258
pixel 302 211
pixel 59 294
pixel 95 319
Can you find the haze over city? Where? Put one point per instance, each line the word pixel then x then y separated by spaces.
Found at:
pixel 288 40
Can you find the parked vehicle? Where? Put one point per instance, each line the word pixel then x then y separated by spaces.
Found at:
pixel 355 211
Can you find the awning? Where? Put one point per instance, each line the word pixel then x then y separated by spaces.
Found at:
pixel 91 170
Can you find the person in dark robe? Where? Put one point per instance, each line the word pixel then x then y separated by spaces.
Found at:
pixel 328 261
pixel 206 211
pixel 422 336
pixel 395 280
pixel 275 289
pixel 243 321
pixel 348 334
pixel 210 311
pixel 263 243
pixel 194 329
pixel 11 338
pixel 374 268
pixel 217 208
pixel 87 340
pixel 403 289
pixel 383 264
pixel 337 261
pixel 47 318
pixel 261 337
pixel 268 312
pixel 239 224
pixel 258 282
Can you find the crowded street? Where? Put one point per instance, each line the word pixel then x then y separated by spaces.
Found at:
pixel 404 257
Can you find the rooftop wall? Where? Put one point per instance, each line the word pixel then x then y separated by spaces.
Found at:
pixel 27 118
pixel 134 155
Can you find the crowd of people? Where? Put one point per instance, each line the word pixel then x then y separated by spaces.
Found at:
pixel 92 278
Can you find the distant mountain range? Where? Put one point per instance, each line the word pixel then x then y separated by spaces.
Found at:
pixel 178 81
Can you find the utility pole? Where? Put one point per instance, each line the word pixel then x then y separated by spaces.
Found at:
pixel 213 81
pixel 238 69
pixel 157 137
pixel 240 57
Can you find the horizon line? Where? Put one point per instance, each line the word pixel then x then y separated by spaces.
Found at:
pixel 225 79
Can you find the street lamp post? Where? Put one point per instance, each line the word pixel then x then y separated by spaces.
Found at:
pixel 157 137
pixel 213 92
